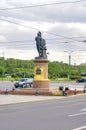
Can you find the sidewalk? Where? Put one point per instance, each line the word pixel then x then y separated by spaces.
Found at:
pixel 12 99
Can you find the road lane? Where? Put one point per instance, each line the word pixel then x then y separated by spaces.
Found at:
pixel 46 115
pixel 72 85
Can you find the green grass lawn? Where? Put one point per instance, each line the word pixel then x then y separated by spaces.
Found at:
pixel 8 79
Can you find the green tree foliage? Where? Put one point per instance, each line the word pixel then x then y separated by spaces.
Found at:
pixel 62 70
pixel 25 68
pixel 17 68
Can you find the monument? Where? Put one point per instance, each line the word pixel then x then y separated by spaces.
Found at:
pixel 41 81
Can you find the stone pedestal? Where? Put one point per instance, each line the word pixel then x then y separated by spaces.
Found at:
pixel 41 80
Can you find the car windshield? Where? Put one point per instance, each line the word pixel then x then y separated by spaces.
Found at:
pixel 26 79
pixel 30 79
pixel 22 80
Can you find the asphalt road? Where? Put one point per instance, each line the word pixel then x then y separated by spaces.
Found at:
pixel 9 85
pixel 63 114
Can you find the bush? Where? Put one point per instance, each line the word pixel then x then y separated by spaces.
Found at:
pixel 74 77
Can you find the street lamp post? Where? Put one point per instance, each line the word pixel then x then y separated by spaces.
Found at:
pixel 69 64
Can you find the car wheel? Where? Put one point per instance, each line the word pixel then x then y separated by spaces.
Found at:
pixel 23 86
pixel 16 87
pixel 31 85
pixel 27 85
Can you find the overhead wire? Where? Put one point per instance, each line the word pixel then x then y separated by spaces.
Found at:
pixel 29 42
pixel 70 38
pixel 21 41
pixel 42 5
pixel 66 2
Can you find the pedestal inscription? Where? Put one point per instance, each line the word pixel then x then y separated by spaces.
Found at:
pixel 41 74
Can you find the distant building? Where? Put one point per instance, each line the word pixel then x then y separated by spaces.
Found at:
pixel 83 74
pixel 83 64
pixel 7 75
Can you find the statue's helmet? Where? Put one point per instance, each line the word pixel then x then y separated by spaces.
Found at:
pixel 39 33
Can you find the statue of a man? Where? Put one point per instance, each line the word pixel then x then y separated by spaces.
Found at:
pixel 41 46
pixel 38 42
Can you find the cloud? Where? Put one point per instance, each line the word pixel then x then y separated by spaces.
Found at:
pixel 55 13
pixel 63 27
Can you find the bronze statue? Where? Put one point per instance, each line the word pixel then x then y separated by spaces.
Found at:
pixel 41 46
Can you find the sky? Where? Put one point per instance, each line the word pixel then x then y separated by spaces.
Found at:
pixel 61 22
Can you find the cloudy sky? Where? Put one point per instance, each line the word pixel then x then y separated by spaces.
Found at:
pixel 62 23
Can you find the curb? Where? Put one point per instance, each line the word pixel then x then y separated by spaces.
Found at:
pixel 39 100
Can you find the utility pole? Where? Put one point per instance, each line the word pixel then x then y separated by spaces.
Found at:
pixel 3 66
pixel 69 64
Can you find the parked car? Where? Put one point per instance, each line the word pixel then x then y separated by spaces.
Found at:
pixel 24 83
pixel 81 80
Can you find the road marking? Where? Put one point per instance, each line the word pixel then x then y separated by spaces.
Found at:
pixel 80 128
pixel 83 109
pixel 77 114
